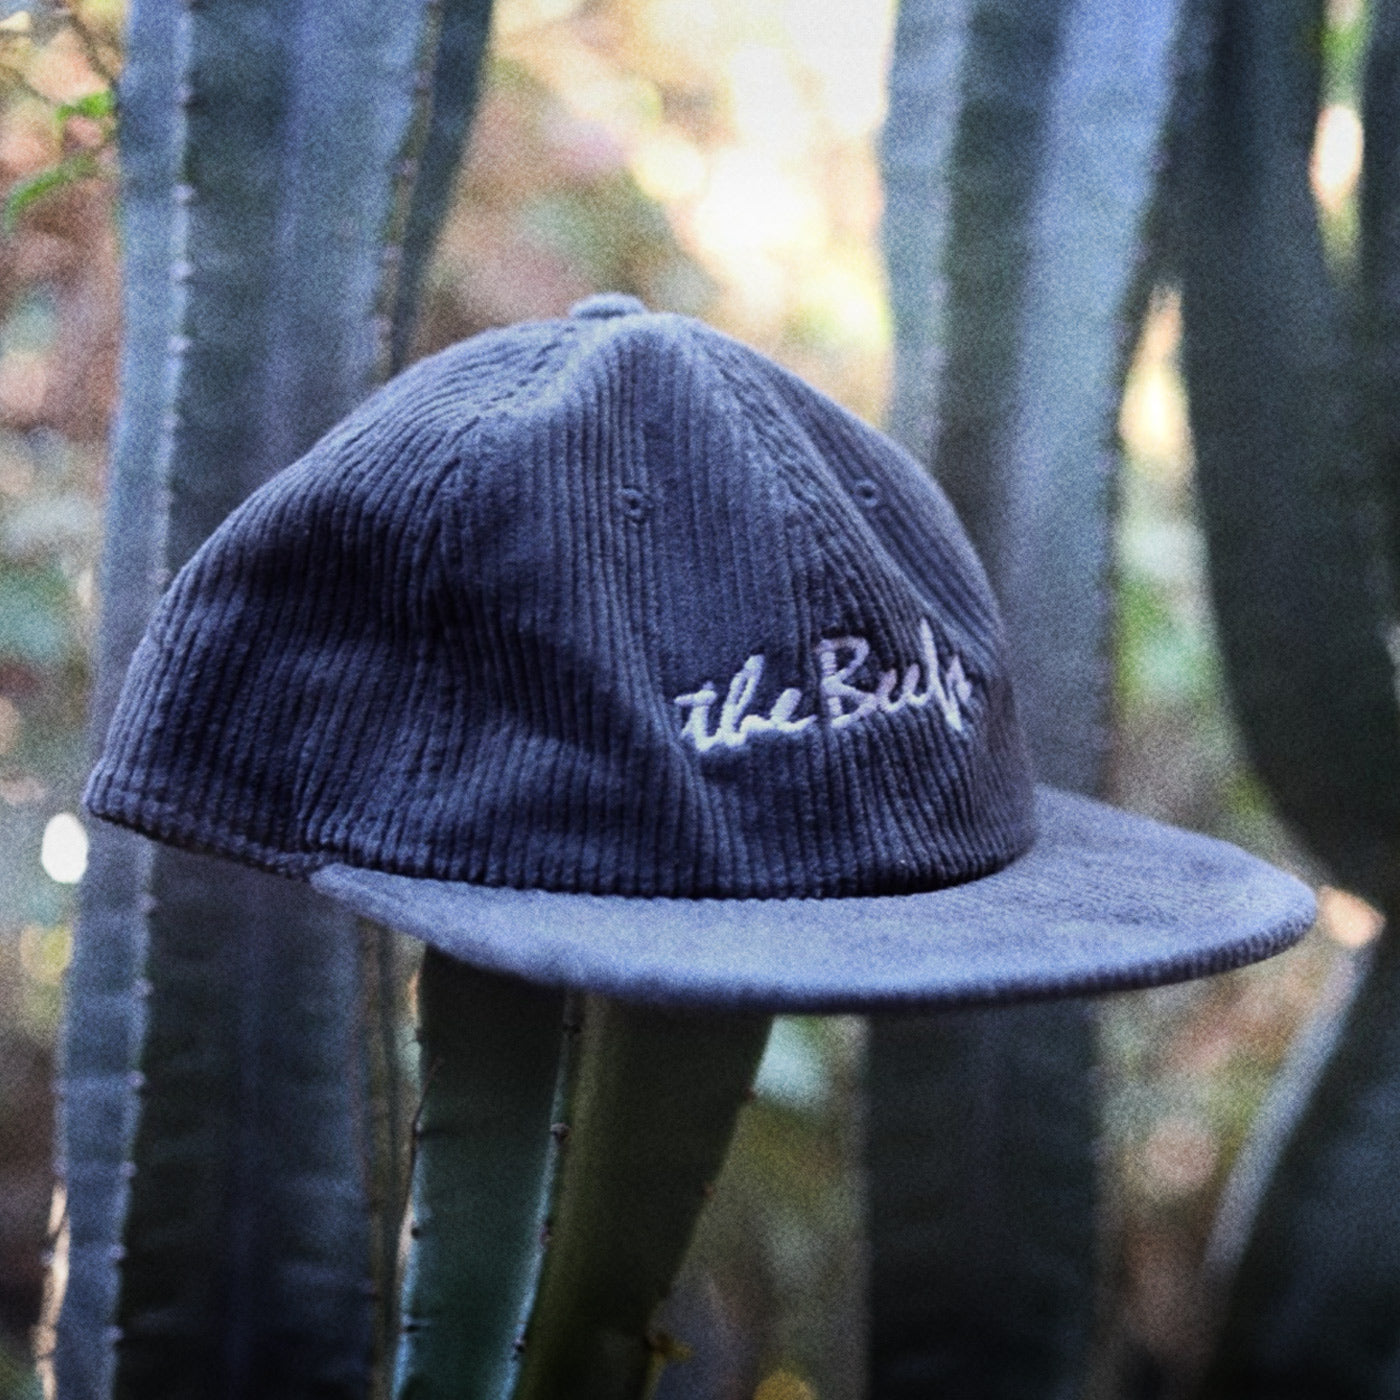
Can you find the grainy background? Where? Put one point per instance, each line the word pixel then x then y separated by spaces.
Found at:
pixel 714 157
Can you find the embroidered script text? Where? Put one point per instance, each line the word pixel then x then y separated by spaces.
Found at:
pixel 840 659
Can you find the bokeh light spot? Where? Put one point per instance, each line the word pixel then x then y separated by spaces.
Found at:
pixel 667 167
pixel 1347 918
pixel 44 953
pixel 64 850
pixel 783 1385
pixel 1336 156
pixel 1179 1156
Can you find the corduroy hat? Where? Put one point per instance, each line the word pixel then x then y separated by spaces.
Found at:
pixel 604 652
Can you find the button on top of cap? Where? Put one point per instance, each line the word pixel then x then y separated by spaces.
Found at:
pixel 605 304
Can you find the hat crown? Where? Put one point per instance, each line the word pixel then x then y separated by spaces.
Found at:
pixel 608 605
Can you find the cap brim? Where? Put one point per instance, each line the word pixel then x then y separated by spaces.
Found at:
pixel 1103 901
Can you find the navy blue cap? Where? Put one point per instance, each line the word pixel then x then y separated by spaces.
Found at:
pixel 605 652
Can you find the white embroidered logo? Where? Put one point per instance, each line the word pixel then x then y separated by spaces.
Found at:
pixel 840 658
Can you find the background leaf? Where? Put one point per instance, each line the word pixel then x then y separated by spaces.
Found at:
pixel 28 191
pixel 93 105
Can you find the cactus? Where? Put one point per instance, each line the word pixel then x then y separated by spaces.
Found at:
pixel 563 1154
pixel 386 962
pixel 454 87
pixel 651 1116
pixel 1279 438
pixel 104 1016
pixel 485 1141
pixel 221 1221
pixel 215 1188
pixel 1291 375
pixel 1021 157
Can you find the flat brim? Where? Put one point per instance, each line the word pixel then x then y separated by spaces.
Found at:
pixel 1103 901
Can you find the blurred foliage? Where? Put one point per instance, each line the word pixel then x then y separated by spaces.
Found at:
pixel 714 157
pixel 31 963
pixel 17 1378
pixel 781 1246
pixel 58 337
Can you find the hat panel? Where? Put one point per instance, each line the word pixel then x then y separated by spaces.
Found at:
pixel 470 635
pixel 287 663
pixel 912 518
pixel 907 515
pixel 567 777
pixel 466 693
pixel 376 765
pixel 624 539
pixel 915 528
pixel 730 569
pixel 962 795
pixel 818 811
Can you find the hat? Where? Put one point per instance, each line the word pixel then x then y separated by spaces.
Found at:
pixel 604 652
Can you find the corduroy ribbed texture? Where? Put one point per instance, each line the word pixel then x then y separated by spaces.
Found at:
pixel 450 641
pixel 1103 901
